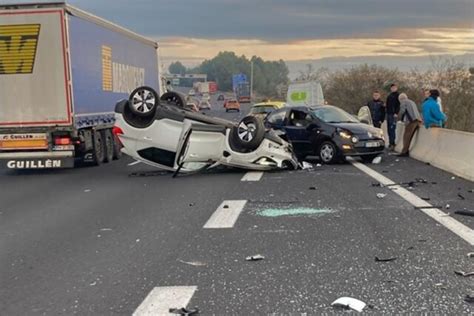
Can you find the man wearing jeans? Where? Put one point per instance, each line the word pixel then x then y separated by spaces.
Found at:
pixel 392 109
pixel 411 117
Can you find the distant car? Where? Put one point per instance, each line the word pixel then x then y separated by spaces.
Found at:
pixel 192 92
pixel 161 132
pixel 220 97
pixel 264 108
pixel 232 104
pixel 326 131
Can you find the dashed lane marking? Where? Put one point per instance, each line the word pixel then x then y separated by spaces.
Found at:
pixel 450 223
pixel 252 176
pixel 226 214
pixel 161 299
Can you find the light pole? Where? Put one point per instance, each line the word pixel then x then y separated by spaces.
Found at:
pixel 251 81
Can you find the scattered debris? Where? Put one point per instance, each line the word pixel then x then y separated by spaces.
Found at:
pixel 434 182
pixel 377 160
pixel 312 188
pixel 461 197
pixel 306 165
pixel 87 190
pixel 349 302
pixel 464 274
pixel 470 191
pixel 193 263
pixel 425 198
pixel 384 171
pixel 184 311
pixel 465 212
pixel 105 229
pixel 191 204
pixel 388 259
pixel 410 248
pixel 421 180
pixel 381 195
pixel 469 298
pixel 255 258
pixel 225 206
pixel 397 160
pixel 470 255
pixel 138 240
pixel 93 283
pixel 276 212
pixel 448 206
pixel 452 178
pixel 377 184
pixel 319 165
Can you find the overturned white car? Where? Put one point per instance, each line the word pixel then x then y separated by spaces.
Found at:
pixel 164 134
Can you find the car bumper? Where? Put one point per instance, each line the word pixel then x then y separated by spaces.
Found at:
pixel 362 148
pixel 37 160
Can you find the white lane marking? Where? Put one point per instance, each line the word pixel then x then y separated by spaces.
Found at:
pixel 450 223
pixel 252 176
pixel 136 162
pixel 161 299
pixel 226 214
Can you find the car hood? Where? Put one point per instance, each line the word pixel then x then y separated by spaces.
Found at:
pixel 360 129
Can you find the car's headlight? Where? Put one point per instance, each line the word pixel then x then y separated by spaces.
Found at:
pixel 345 134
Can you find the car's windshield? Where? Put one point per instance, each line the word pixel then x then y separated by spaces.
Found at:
pixel 332 114
pixel 262 109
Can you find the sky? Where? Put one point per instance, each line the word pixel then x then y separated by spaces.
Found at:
pixel 194 30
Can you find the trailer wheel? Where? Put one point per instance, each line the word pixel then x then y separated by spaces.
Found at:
pixel 249 133
pixel 99 148
pixel 143 101
pixel 117 148
pixel 108 145
pixel 174 98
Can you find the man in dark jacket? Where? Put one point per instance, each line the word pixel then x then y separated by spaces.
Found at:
pixel 392 109
pixel 377 109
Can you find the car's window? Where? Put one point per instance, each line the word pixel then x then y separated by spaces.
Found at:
pixel 300 118
pixel 332 114
pixel 277 118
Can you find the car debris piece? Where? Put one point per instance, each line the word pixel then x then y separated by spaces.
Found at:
pixel 465 212
pixel 184 311
pixel 425 198
pixel 319 165
pixel 349 302
pixel 87 190
pixel 452 178
pixel 225 206
pixel 421 180
pixel 461 196
pixel 470 191
pixel 193 263
pixel 464 274
pixel 306 165
pixel 377 184
pixel 448 206
pixel 255 258
pixel 470 255
pixel 377 160
pixel 381 195
pixel 312 188
pixel 387 259
pixel 469 298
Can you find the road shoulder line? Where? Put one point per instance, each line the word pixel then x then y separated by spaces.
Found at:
pixel 226 214
pixel 252 176
pixel 161 299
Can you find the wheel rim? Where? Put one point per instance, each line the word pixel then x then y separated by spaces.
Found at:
pixel 143 101
pixel 246 131
pixel 99 149
pixel 327 152
pixel 174 100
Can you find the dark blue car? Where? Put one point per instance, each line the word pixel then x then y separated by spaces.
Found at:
pixel 327 132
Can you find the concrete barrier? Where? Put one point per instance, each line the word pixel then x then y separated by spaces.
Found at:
pixel 446 149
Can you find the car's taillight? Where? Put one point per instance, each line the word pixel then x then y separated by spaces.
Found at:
pixel 117 131
pixel 62 140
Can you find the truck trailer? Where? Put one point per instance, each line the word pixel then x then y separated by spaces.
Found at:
pixel 62 70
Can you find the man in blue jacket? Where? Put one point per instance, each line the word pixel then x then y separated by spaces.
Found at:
pixel 377 109
pixel 432 115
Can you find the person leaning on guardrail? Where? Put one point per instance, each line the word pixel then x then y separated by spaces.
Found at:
pixel 432 114
pixel 412 118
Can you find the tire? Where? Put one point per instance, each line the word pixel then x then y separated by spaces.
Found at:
pixel 99 148
pixel 328 152
pixel 143 101
pixel 174 98
pixel 108 145
pixel 368 158
pixel 249 133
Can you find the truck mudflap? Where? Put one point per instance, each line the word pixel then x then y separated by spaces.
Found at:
pixel 37 160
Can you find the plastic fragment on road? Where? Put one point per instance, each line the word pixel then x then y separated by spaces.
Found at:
pixel 306 165
pixel 452 178
pixel 465 212
pixel 464 274
pixel 448 206
pixel 381 195
pixel 255 258
pixel 461 196
pixel 312 188
pixel 387 259
pixel 377 160
pixel 193 263
pixel 276 212
pixel 349 302
pixel 470 191
pixel 421 180
pixel 184 311
pixel 470 255
pixel 425 198
pixel 469 298
pixel 87 190
pixel 319 165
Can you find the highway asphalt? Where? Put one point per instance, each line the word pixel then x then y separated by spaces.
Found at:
pixel 97 241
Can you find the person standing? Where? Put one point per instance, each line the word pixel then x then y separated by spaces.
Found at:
pixel 392 109
pixel 377 109
pixel 432 114
pixel 411 117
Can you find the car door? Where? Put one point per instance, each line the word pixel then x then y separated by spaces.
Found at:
pixel 298 127
pixel 364 115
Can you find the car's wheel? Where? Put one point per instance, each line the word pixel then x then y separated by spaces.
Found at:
pixel 108 139
pixel 143 101
pixel 99 148
pixel 328 152
pixel 249 133
pixel 368 158
pixel 174 98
